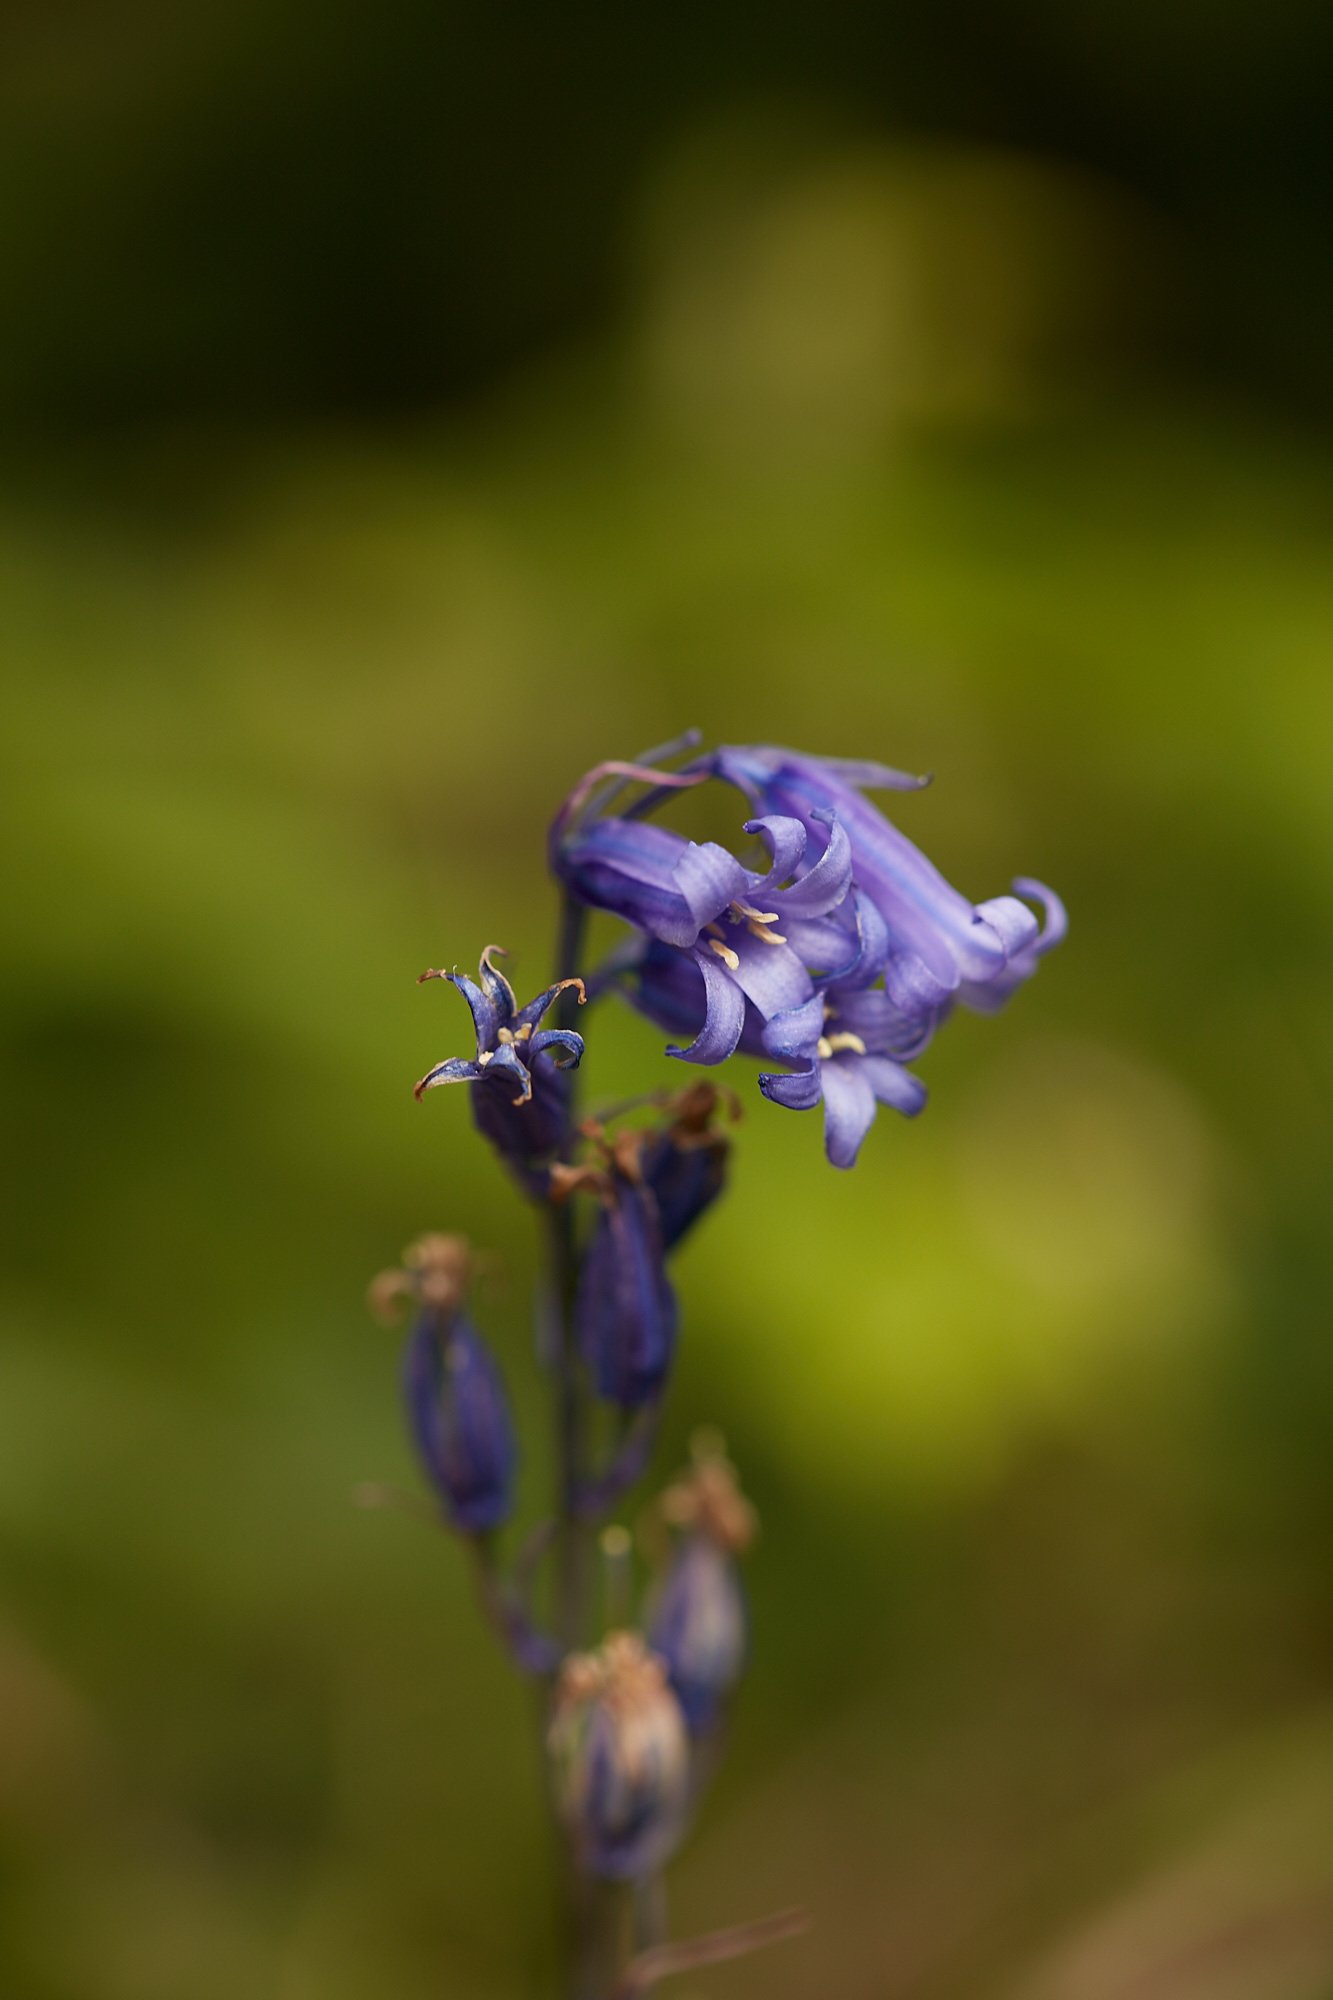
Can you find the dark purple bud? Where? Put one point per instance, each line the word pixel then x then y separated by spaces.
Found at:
pixel 685 1162
pixel 460 1422
pixel 624 1309
pixel 619 1757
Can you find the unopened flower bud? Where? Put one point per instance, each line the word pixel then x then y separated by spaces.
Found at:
pixel 620 1758
pixel 459 1417
pixel 698 1622
pixel 685 1162
pixel 625 1309
pixel 699 1626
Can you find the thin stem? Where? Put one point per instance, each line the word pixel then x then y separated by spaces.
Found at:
pixel 588 1930
pixel 650 1913
pixel 661 1961
pixel 570 1422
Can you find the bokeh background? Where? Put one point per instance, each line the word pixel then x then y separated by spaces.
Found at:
pixel 405 407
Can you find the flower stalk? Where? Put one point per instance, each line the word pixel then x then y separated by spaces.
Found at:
pixel 832 953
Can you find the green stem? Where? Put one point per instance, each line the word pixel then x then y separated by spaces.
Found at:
pixel 572 1543
pixel 590 1969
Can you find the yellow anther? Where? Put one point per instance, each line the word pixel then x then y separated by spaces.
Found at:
pixel 830 1044
pixel 484 1056
pixel 757 922
pixel 725 953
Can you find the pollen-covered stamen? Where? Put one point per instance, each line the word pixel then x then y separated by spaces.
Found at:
pixel 725 953
pixel 512 1035
pixel 828 1045
pixel 757 922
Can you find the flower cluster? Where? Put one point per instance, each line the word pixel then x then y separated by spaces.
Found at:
pixel 832 958
pixel 838 961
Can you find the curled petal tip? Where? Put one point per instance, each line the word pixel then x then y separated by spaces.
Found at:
pixel 433 972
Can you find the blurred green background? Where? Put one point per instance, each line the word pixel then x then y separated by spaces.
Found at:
pixel 405 408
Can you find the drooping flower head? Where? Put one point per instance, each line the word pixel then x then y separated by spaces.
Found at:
pixel 620 1758
pixel 457 1410
pixel 698 1619
pixel 521 1093
pixel 838 962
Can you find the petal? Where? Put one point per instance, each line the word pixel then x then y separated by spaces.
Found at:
pixel 536 1010
pixel 1012 922
pixel 771 975
pixel 456 1070
pixel 823 887
pixel 988 996
pixel 507 1070
pixel 913 987
pixel 873 777
pixel 563 1046
pixel 496 987
pixel 822 944
pixel 792 1035
pixel 849 1108
pixel 709 879
pixel 1056 924
pixel 871 1014
pixel 724 1015
pixel 751 767
pixel 485 1018
pixel 872 934
pixel 786 838
pixel 668 987
pixel 841 956
pixel 798 1090
pixel 628 867
pixel 894 1085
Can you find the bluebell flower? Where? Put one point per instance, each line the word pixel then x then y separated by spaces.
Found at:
pixel 942 947
pixel 619 1758
pixel 847 1046
pixel 744 932
pixel 522 1098
pixel 456 1405
pixel 698 1621
pixel 859 1064
pixel 874 950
